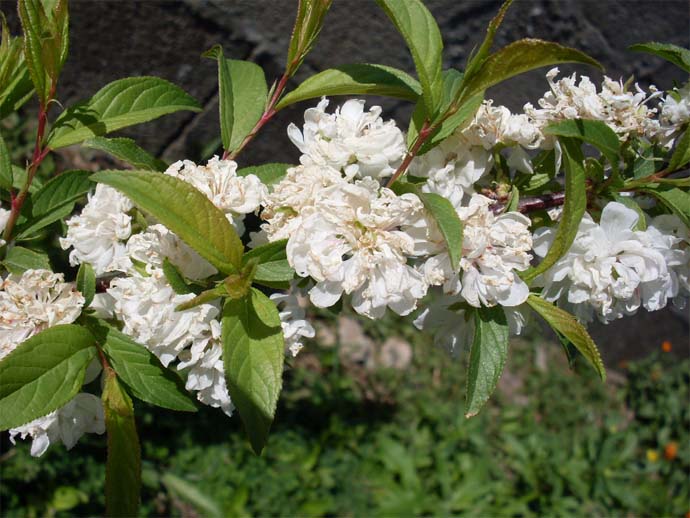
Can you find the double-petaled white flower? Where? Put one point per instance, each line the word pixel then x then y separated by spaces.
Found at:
pixel 4 217
pixel 83 414
pixel 32 302
pixel 350 242
pixel 353 141
pixel 293 319
pixel 623 111
pixel 156 244
pixel 98 234
pixel 610 269
pixel 495 249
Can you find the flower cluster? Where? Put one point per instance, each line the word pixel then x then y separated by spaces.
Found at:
pixel 352 238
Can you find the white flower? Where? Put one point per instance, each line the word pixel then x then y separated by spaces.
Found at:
pixel 609 270
pixel 350 242
pixel 670 237
pixel 292 320
pixel 495 248
pixel 218 180
pixel 32 302
pixel 352 140
pixel 97 235
pixel 624 112
pixel 452 329
pixel 452 168
pixel 289 200
pixel 494 125
pixel 146 307
pixel 158 243
pixel 206 374
pixel 83 414
pixel 675 113
pixel 4 217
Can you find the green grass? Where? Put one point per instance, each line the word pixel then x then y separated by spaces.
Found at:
pixel 355 442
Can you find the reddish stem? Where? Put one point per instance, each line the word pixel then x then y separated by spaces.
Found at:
pixel 269 112
pixel 424 133
pixel 38 155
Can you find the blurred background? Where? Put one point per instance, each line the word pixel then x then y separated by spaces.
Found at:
pixel 371 420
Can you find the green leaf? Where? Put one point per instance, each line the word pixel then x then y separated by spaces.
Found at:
pixel 123 467
pixel 242 97
pixel 445 216
pixel 175 278
pixel 15 84
pixel 514 200
pixel 672 53
pixel 122 103
pixel 487 356
pixel 573 208
pixel 274 251
pixel 39 39
pixel 6 179
pixel 86 283
pixel 27 231
pixel 423 37
pixel 675 199
pixel 253 354
pixel 274 272
pixel 126 149
pixel 19 259
pixel 465 111
pixel 64 189
pixel 355 79
pixel 477 60
pixel 593 132
pixel 190 493
pixel 184 210
pixel 308 24
pixel 519 57
pixel 267 173
pixel 143 374
pixel 43 373
pixel 565 324
pixel 681 155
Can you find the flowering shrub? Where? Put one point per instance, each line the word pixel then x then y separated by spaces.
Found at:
pixel 470 221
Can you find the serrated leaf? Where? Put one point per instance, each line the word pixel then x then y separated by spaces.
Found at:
pixel 27 231
pixel 444 215
pixel 477 59
pixel 423 37
pixel 519 57
pixel 43 373
pixel 671 53
pixel 37 35
pixel 120 104
pixel 64 189
pixel 487 356
pixel 253 355
pixel 123 466
pixel 15 84
pixel 20 259
pixel 355 79
pixel 86 283
pixel 6 178
pixel 175 278
pixel 681 155
pixel 675 199
pixel 273 251
pixel 143 374
pixel 465 111
pixel 274 272
pixel 242 97
pixel 565 324
pixel 573 208
pixel 267 173
pixel 184 210
pixel 593 132
pixel 308 24
pixel 128 151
